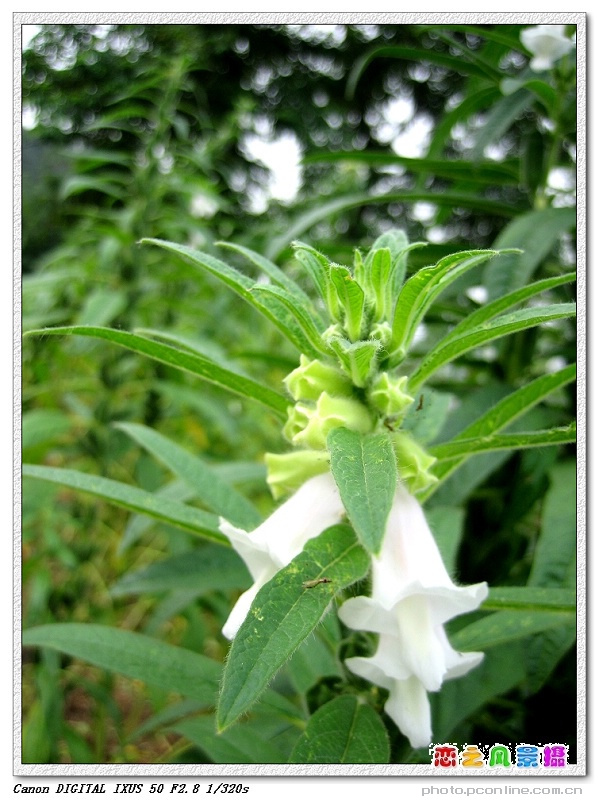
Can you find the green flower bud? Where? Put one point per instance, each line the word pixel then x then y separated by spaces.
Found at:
pixel 413 463
pixel 312 378
pixel 309 426
pixel 381 331
pixel 388 395
pixel 288 471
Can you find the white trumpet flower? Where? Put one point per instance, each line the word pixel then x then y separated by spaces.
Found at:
pixel 279 539
pixel 547 43
pixel 412 597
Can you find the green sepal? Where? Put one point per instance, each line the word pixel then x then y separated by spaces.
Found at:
pixel 313 377
pixel 309 425
pixel 288 471
pixel 358 359
pixel 389 396
pixel 413 463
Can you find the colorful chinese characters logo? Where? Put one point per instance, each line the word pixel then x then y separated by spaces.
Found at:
pixel 555 755
pixel 445 755
pixel 523 756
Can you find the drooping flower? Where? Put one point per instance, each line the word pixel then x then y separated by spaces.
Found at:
pixel 547 43
pixel 279 539
pixel 412 597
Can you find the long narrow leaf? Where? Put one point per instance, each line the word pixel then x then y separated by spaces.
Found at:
pixel 133 654
pixel 536 234
pixel 505 441
pixel 496 307
pixel 421 290
pixel 269 268
pixel 503 413
pixel 133 499
pixel 201 570
pixel 214 493
pixel 241 285
pixel 530 598
pixel 507 626
pixel 451 348
pixel 303 319
pixel 463 66
pixel 197 365
pixel 484 172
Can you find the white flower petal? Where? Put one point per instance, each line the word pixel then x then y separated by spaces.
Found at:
pixel 408 554
pixel 366 614
pixel 254 553
pixel 279 539
pixel 547 43
pixel 240 611
pixel 410 710
pixel 412 597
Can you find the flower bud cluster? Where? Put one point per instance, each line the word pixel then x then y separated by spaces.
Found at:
pixel 348 386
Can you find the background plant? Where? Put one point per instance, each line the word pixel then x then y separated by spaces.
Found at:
pixel 153 123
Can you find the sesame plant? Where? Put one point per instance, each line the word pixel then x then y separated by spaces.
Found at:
pixel 349 551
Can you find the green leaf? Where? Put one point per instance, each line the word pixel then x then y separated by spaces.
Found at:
pixel 555 553
pixel 543 653
pixel 243 286
pixel 496 307
pixel 313 660
pixel 472 102
pixel 343 731
pixel 535 233
pixel 447 523
pixel 316 265
pixel 365 472
pixel 269 268
pixel 483 172
pixel 207 569
pixel 246 743
pixel 138 525
pixel 530 598
pixel 43 425
pixel 78 184
pixel 197 365
pixel 101 307
pixel 420 292
pixel 351 299
pixel 134 655
pixel 463 65
pixel 301 316
pixel 396 241
pixel 507 626
pixel 379 279
pixel 507 35
pixel 216 494
pixel 500 119
pixel 450 347
pixel 544 92
pixel 426 417
pixel 130 497
pixel 283 613
pixel 506 441
pixel 504 412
